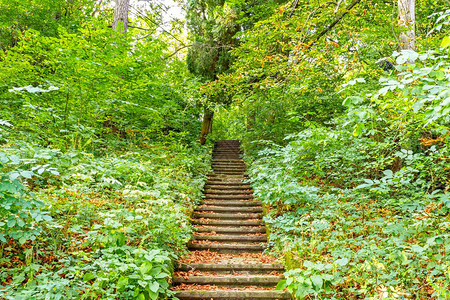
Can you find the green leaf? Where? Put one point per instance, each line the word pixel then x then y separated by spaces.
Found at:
pixel 417 249
pixel 89 276
pixel 141 296
pixel 281 284
pixel 445 42
pixel 317 281
pixel 162 275
pixel 342 261
pixel 122 282
pixel 26 174
pixel 154 286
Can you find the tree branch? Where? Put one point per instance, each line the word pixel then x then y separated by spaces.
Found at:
pixel 176 51
pixel 293 8
pixel 335 22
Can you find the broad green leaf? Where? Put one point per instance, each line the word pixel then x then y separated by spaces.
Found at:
pixel 445 42
pixel 342 261
pixel 317 281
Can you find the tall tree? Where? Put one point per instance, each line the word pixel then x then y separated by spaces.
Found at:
pixel 212 29
pixel 213 26
pixel 406 22
pixel 121 14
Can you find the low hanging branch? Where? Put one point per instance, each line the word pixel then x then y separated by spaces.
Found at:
pixel 335 22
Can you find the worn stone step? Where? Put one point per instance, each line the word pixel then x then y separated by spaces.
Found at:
pixel 240 164
pixel 226 169
pixel 240 203
pixel 226 187
pixel 227 177
pixel 228 191
pixel 220 172
pixel 233 294
pixel 225 222
pixel 228 197
pixel 227 280
pixel 232 268
pixel 231 209
pixel 227 247
pixel 227 160
pixel 229 167
pixel 227 216
pixel 227 151
pixel 231 230
pixel 224 184
pixel 232 238
pixel 229 172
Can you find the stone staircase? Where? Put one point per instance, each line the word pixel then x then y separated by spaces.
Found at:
pixel 226 260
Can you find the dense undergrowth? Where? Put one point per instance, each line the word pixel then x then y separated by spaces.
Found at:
pixel 348 225
pixel 103 226
pixel 359 207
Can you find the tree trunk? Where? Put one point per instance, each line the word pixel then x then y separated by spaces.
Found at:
pixel 121 14
pixel 206 126
pixel 406 22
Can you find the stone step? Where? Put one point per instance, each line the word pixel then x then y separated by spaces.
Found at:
pixel 228 222
pixel 228 166
pixel 232 238
pixel 231 168
pixel 240 164
pixel 232 179
pixel 225 184
pixel 224 280
pixel 233 294
pixel 228 192
pixel 222 216
pixel 233 268
pixel 237 187
pixel 228 197
pixel 231 230
pixel 227 160
pixel 220 172
pixel 226 177
pixel 254 209
pixel 229 172
pixel 232 203
pixel 227 151
pixel 227 247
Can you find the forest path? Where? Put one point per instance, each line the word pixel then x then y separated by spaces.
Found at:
pixel 226 260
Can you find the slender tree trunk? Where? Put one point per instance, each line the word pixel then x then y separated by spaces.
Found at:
pixel 121 14
pixel 207 125
pixel 406 22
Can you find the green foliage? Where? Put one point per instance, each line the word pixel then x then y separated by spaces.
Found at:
pixel 80 91
pixel 44 16
pixel 356 195
pixel 20 214
pixel 357 228
pixel 114 224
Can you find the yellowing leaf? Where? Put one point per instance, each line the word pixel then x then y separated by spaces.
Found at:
pixel 445 42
